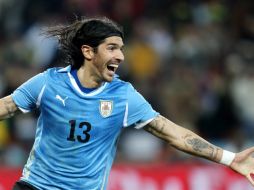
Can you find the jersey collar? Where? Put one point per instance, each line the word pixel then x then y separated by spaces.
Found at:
pixel 75 85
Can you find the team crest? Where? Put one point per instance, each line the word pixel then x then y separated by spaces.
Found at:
pixel 106 108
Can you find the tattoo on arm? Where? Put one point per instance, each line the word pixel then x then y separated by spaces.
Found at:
pixel 157 126
pixel 199 145
pixel 8 108
pixel 181 138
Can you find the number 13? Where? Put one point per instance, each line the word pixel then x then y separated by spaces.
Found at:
pixel 86 136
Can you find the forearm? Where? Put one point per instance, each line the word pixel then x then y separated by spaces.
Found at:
pixel 184 139
pixel 191 143
pixel 7 108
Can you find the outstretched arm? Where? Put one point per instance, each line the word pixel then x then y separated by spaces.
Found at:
pixel 7 108
pixel 187 141
pixel 183 139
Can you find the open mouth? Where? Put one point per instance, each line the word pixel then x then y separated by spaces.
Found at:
pixel 112 67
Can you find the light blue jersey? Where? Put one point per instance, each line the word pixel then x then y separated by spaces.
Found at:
pixel 77 132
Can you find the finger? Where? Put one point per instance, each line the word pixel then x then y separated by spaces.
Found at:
pixel 250 179
pixel 249 150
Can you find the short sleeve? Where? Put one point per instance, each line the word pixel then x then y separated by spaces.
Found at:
pixel 28 96
pixel 138 111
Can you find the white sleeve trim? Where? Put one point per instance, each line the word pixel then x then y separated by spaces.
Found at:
pixel 125 123
pixel 38 103
pixel 138 125
pixel 23 110
pixel 141 125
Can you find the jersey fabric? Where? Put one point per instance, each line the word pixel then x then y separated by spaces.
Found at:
pixel 77 132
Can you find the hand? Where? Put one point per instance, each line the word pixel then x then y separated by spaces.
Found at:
pixel 244 164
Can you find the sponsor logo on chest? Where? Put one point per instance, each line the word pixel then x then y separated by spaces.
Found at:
pixel 106 108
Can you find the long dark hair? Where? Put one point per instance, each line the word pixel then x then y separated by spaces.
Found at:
pixel 84 31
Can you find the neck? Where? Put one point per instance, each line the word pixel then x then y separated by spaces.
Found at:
pixel 87 79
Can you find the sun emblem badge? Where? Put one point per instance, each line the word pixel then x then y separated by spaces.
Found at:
pixel 106 108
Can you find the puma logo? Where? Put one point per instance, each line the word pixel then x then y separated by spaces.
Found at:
pixel 61 99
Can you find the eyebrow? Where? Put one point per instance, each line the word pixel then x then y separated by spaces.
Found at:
pixel 115 44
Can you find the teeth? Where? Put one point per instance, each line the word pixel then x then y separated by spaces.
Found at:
pixel 113 65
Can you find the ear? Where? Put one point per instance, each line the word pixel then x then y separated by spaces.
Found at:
pixel 87 51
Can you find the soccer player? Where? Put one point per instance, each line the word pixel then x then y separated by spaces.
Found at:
pixel 83 108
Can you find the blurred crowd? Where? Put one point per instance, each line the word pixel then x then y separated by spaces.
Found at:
pixel 192 60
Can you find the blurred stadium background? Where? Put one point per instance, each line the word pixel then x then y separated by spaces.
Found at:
pixel 192 60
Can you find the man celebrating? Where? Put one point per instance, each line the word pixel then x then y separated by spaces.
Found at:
pixel 83 108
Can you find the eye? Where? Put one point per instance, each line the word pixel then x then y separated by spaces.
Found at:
pixel 111 47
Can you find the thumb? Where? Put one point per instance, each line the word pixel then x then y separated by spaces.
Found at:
pixel 249 151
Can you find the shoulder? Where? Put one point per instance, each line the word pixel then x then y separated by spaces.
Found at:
pixel 119 83
pixel 118 87
pixel 127 85
pixel 56 72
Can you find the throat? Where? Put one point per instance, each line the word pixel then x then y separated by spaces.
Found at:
pixel 85 85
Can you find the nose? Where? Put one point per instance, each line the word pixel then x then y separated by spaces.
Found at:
pixel 120 56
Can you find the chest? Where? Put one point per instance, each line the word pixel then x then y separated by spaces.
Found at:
pixel 81 119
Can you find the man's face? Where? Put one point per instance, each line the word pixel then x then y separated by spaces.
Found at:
pixel 108 57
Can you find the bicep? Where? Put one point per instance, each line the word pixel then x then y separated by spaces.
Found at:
pixel 168 131
pixel 138 111
pixel 28 96
pixel 163 128
pixel 7 107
